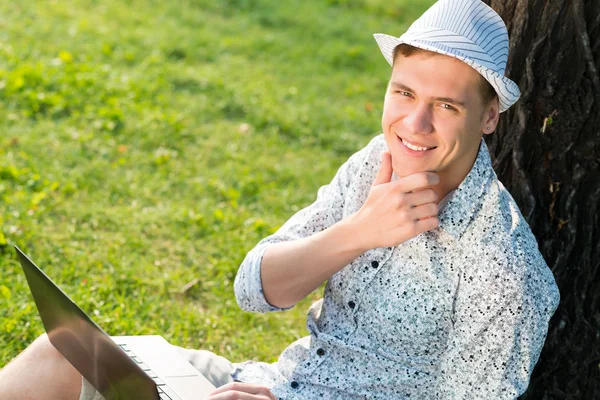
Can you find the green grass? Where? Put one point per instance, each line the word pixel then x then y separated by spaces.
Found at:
pixel 148 144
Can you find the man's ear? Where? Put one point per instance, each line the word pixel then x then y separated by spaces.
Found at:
pixel 491 116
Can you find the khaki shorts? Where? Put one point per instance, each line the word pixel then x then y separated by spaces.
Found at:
pixel 215 368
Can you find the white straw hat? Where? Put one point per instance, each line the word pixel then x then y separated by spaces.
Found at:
pixel 468 30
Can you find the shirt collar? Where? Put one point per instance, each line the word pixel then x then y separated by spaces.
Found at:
pixel 466 200
pixel 445 200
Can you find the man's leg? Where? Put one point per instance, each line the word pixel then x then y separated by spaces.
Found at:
pixel 40 372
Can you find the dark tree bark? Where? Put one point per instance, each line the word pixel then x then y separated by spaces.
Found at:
pixel 546 152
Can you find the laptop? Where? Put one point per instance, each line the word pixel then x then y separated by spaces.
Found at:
pixel 119 367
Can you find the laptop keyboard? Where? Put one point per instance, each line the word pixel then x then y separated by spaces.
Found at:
pixel 164 392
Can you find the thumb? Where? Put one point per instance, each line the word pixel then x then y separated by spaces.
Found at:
pixel 385 171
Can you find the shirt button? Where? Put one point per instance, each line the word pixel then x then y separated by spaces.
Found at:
pixel 320 352
pixel 351 304
pixel 374 264
pixel 294 385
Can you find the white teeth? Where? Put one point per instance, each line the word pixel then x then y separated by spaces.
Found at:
pixel 416 148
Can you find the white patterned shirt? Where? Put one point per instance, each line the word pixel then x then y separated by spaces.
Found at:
pixel 459 312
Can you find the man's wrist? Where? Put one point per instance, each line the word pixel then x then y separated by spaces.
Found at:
pixel 351 236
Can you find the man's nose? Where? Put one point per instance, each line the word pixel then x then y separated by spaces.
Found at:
pixel 418 119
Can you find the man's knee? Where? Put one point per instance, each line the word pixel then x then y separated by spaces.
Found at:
pixel 40 372
pixel 40 348
pixel 43 353
pixel 43 348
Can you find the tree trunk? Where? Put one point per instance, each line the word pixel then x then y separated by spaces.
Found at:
pixel 546 152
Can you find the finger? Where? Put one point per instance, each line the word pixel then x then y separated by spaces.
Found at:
pixel 242 387
pixel 424 211
pixel 424 225
pixel 236 395
pixel 421 197
pixel 385 171
pixel 417 181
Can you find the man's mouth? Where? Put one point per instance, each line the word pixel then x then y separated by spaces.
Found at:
pixel 416 147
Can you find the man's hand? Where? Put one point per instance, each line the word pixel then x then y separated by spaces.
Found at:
pixel 241 391
pixel 395 212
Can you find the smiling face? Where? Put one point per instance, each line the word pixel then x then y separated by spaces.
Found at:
pixel 434 116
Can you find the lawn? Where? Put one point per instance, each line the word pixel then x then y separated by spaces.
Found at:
pixel 147 146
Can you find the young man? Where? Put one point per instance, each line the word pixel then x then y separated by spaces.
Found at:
pixel 435 285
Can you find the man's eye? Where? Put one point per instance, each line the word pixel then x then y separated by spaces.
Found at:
pixel 447 106
pixel 403 93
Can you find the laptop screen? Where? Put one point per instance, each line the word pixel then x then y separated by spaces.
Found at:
pixel 83 343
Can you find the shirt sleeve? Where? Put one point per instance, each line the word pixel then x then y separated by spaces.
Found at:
pixel 327 209
pixel 500 327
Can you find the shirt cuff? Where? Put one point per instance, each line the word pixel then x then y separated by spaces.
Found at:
pixel 248 285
